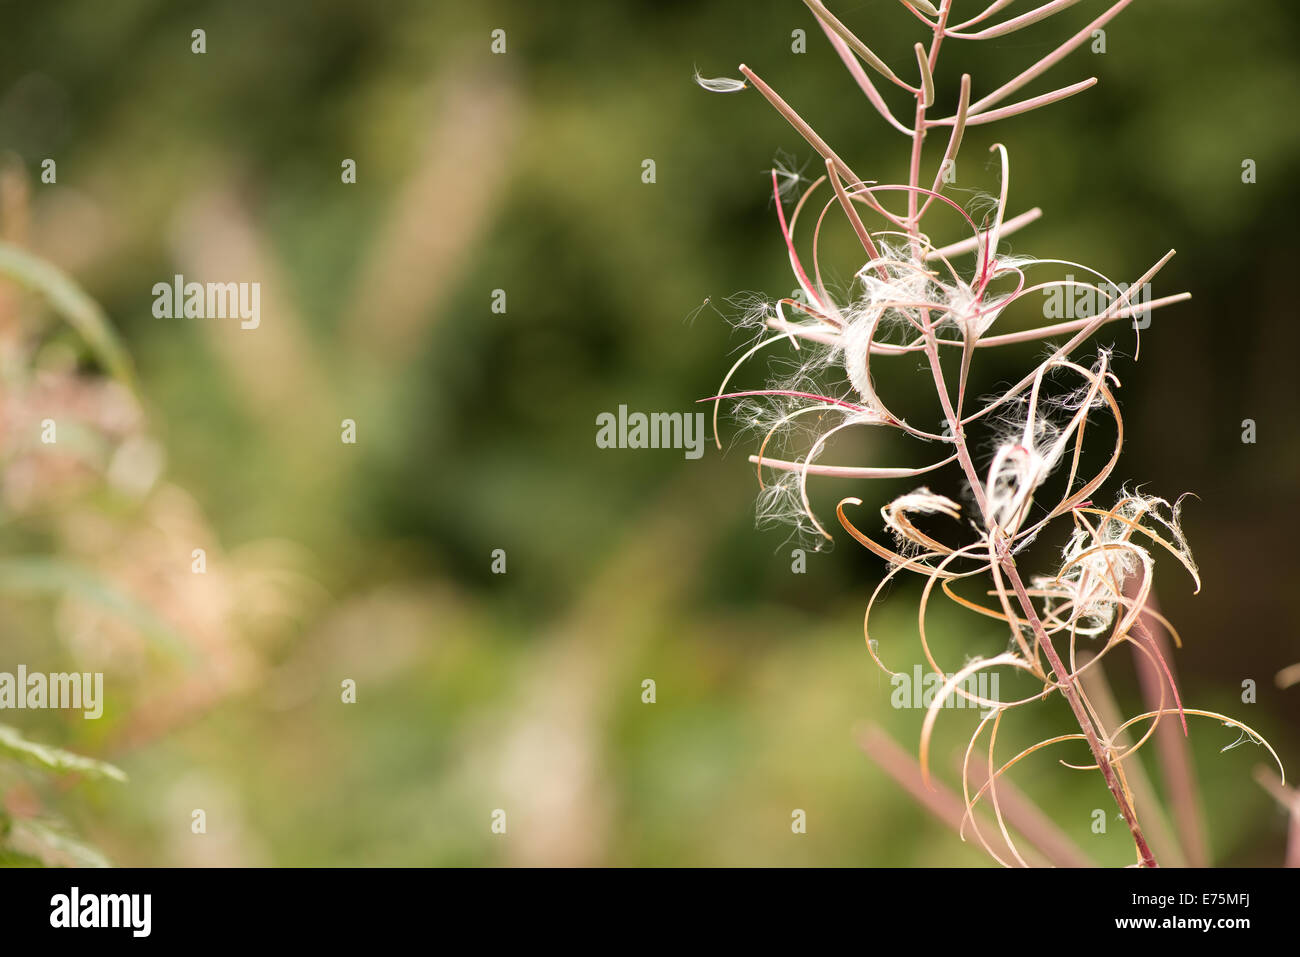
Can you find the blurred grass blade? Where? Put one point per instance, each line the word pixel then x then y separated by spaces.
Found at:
pixel 51 576
pixel 13 744
pixel 71 302
pixel 54 848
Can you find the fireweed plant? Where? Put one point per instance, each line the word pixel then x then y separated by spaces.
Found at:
pixel 909 298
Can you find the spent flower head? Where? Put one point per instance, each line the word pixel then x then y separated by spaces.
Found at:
pixel 946 305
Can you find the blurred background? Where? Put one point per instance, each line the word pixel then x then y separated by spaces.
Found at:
pixel 522 171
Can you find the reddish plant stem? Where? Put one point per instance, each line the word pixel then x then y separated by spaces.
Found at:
pixel 1171 745
pixel 1066 682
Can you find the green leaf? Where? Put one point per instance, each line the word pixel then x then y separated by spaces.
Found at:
pixel 12 858
pixel 54 759
pixel 70 301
